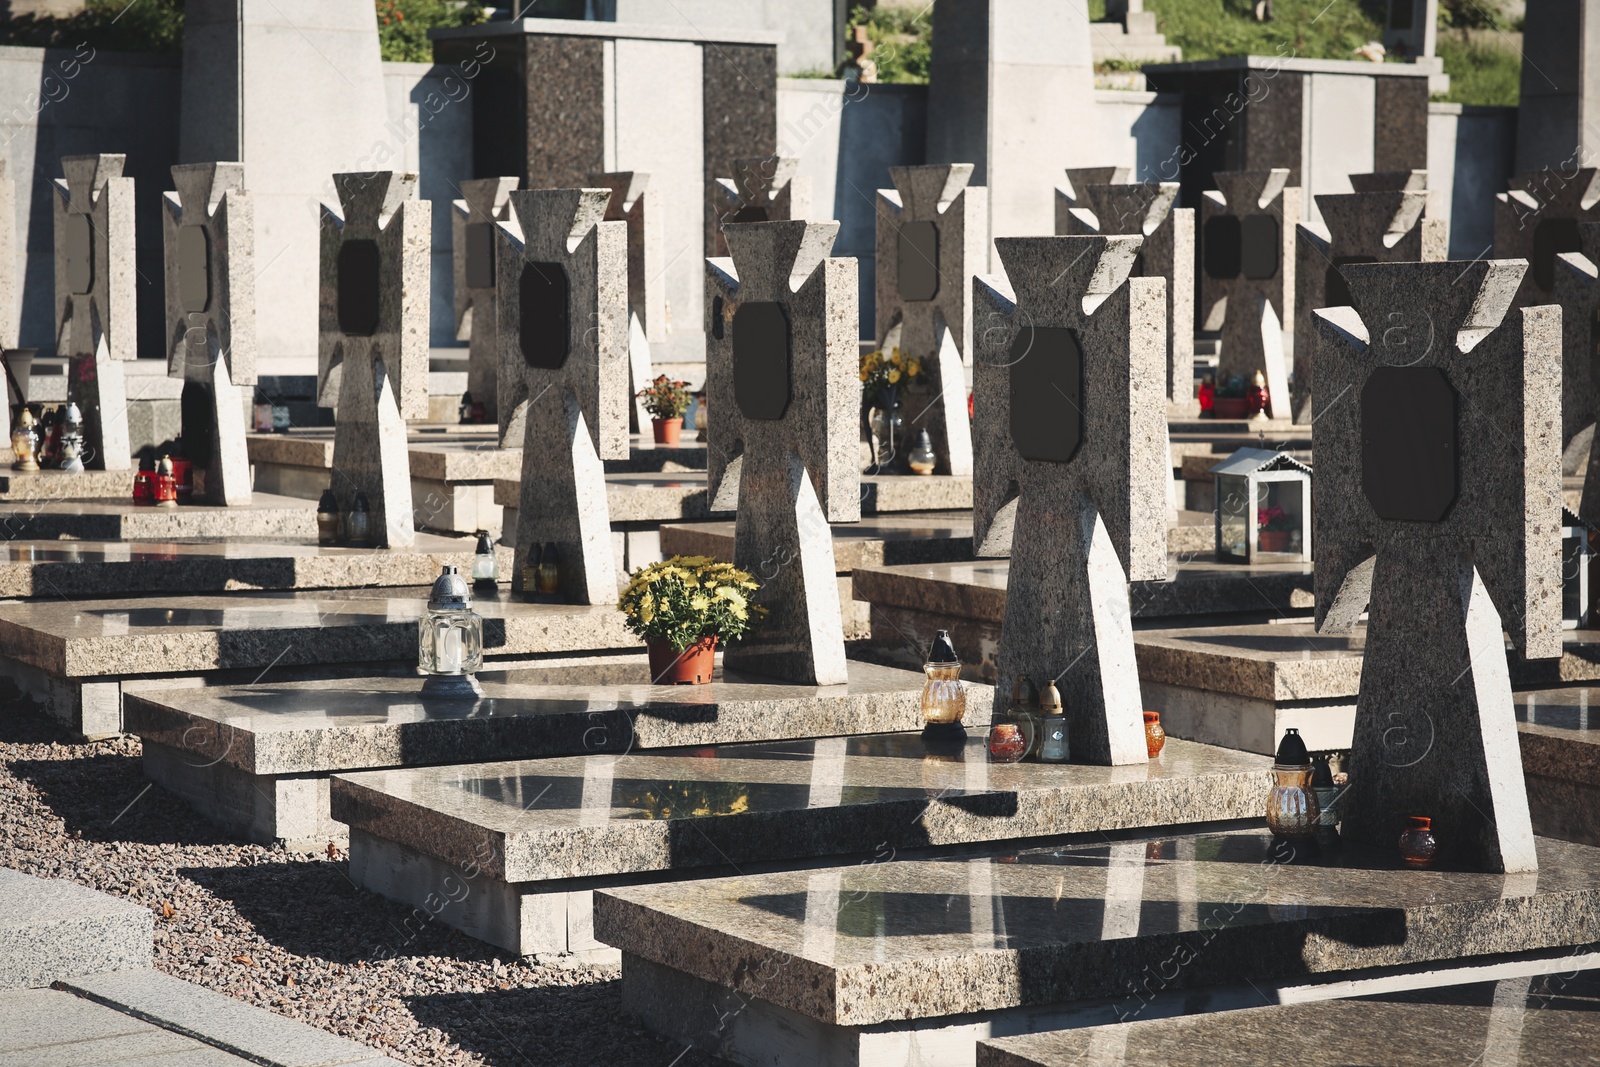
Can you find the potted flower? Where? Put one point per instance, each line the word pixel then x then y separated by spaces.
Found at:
pixel 682 607
pixel 666 401
pixel 882 378
pixel 1273 527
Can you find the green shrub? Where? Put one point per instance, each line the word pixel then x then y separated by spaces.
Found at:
pixel 403 25
pixel 903 41
pixel 115 25
pixel 1481 73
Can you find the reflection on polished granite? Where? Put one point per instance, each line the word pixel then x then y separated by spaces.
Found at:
pixel 678 808
pixel 1528 1021
pixel 1195 586
pixel 914 537
pixel 266 516
pixel 1560 732
pixel 357 723
pixel 117 568
pixel 178 634
pixel 926 938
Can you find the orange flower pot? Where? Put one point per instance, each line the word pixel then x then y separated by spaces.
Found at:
pixel 667 431
pixel 692 666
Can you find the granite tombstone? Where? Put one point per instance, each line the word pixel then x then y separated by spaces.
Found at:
pixel 1537 219
pixel 1247 261
pixel 1071 471
pixel 762 189
pixel 374 336
pixel 95 311
pixel 1118 206
pixel 1438 512
pixel 932 238
pixel 563 303
pixel 208 229
pixel 781 374
pixel 484 202
pixel 1577 291
pixel 635 203
pixel 9 304
pixel 1381 222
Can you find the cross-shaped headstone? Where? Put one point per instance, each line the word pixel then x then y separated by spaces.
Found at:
pixel 563 304
pixel 932 237
pixel 9 305
pixel 781 373
pixel 95 310
pixel 484 202
pixel 762 189
pixel 1146 209
pixel 1381 222
pixel 1072 465
pixel 374 334
pixel 1439 488
pixel 635 203
pixel 1247 228
pixel 1577 291
pixel 1537 219
pixel 208 234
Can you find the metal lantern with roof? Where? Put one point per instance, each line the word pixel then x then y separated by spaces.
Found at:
pixel 1263 507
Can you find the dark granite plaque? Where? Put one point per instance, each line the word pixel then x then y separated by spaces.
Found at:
pixel 918 261
pixel 194 268
pixel 1259 247
pixel 1551 238
pixel 80 254
pixel 1336 292
pixel 197 409
pixel 1408 443
pixel 761 360
pixel 1401 15
pixel 1220 247
pixel 480 255
pixel 1047 393
pixel 545 331
pixel 750 213
pixel 358 288
pixel 717 315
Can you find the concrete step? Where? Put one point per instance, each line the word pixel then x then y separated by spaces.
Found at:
pixel 51 930
pixel 865 963
pixel 222 1023
pixel 531 840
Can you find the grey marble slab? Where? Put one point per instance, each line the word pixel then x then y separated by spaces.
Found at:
pixel 977 590
pixel 678 808
pixel 121 520
pixel 99 569
pixel 935 938
pixel 1514 1022
pixel 359 723
pixel 188 634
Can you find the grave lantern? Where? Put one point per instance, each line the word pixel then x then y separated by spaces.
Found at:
pixel 450 639
pixel 1263 511
pixel 1577 572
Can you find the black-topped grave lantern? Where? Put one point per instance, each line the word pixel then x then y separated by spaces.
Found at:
pixel 1263 512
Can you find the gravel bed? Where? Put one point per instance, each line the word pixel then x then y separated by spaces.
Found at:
pixel 294 935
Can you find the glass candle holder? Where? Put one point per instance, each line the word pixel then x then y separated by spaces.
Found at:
pixel 944 698
pixel 144 487
pixel 1155 736
pixel 549 572
pixel 450 638
pixel 1006 743
pixel 1418 846
pixel 166 484
pixel 485 568
pixel 329 522
pixel 72 439
pixel 1053 744
pixel 358 523
pixel 922 459
pixel 1292 804
pixel 25 442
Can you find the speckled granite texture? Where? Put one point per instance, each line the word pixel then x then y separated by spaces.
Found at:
pixel 1515 1022
pixel 635 203
pixel 265 517
pixel 790 475
pixel 1577 290
pixel 214 344
pixel 18 487
pixel 921 939
pixel 1280 662
pixel 1532 200
pixel 934 537
pixel 188 634
pixel 937 331
pixel 1376 225
pixel 484 202
pixel 96 327
pixel 1435 669
pixel 606 815
pixel 575 414
pixel 1560 733
pixel 350 724
pixel 762 188
pixel 1077 530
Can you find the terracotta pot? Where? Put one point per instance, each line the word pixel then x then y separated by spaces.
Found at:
pixel 1155 738
pixel 1230 407
pixel 1272 540
pixel 692 666
pixel 666 430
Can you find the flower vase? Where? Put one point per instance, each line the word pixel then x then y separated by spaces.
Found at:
pixel 692 666
pixel 887 425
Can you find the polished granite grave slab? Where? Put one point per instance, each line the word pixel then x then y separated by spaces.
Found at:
pixel 1559 730
pixel 932 946
pixel 266 516
pixel 191 634
pixel 117 568
pixel 256 758
pixel 533 826
pixel 21 487
pixel 1526 1021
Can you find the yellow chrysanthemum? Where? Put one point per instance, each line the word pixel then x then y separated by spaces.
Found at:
pixel 700 603
pixel 914 368
pixel 894 377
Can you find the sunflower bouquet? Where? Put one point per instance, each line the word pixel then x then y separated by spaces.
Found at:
pixel 882 375
pixel 686 598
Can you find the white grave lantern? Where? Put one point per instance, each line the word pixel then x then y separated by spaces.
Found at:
pixel 1263 507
